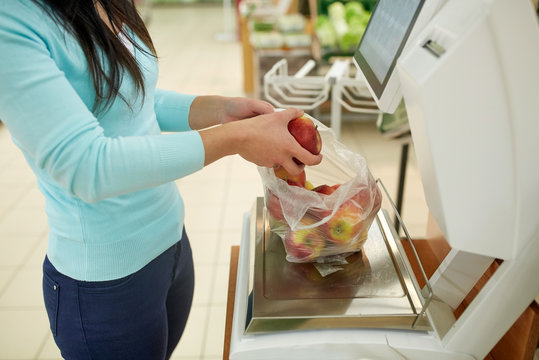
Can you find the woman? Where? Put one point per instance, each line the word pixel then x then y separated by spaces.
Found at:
pixel 77 93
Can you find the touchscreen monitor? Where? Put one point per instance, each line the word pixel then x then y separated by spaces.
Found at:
pixel 385 37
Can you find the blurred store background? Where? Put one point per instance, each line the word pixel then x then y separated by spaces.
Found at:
pixel 216 47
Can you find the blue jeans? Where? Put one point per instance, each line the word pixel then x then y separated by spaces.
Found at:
pixel 139 317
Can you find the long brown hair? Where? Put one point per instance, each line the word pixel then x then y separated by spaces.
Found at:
pixel 81 18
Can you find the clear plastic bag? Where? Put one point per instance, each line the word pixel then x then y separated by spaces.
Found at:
pixel 316 226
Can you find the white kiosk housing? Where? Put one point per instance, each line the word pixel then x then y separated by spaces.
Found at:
pixel 468 71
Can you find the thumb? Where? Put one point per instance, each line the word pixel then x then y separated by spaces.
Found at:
pixel 290 114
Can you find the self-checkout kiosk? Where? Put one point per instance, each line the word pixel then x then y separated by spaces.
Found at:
pixel 468 73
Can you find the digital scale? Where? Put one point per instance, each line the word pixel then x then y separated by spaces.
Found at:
pixel 467 71
pixel 375 288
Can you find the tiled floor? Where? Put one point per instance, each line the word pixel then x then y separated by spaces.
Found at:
pixel 192 61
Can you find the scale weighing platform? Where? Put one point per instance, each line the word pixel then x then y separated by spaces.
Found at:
pixel 374 290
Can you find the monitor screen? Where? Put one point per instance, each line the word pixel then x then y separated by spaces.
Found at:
pixel 386 34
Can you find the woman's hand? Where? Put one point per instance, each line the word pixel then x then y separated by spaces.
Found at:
pixel 263 140
pixel 238 108
pixel 207 111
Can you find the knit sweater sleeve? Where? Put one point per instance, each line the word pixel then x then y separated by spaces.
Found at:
pixel 172 110
pixel 54 128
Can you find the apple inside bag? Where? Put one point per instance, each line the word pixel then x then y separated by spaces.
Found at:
pixel 328 209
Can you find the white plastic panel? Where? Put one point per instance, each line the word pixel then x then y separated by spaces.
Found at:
pixel 457 275
pixel 464 128
pixel 518 52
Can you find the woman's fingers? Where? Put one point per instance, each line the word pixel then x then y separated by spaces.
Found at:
pixel 289 114
pixel 238 108
pixel 306 157
pixel 259 107
pixel 269 142
pixel 292 167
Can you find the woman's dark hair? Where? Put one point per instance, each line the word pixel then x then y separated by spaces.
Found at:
pixel 81 18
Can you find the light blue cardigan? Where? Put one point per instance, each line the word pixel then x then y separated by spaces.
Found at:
pixel 111 202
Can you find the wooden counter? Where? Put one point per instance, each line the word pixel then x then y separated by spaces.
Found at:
pixel 234 254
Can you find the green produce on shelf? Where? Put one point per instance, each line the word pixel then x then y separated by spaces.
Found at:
pixel 337 17
pixel 341 30
pixel 263 25
pixel 350 40
pixel 353 9
pixel 322 5
pixel 327 36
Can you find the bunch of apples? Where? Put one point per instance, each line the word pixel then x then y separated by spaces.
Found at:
pixel 345 231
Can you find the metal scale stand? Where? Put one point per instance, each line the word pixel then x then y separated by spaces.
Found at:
pixel 376 289
pixel 284 310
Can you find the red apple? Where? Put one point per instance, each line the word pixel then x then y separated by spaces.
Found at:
pixel 376 204
pixel 294 183
pixel 346 224
pixel 306 134
pixel 362 198
pixel 377 200
pixel 366 199
pixel 298 180
pixel 274 206
pixel 351 221
pixel 318 214
pixel 306 244
pixel 326 189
